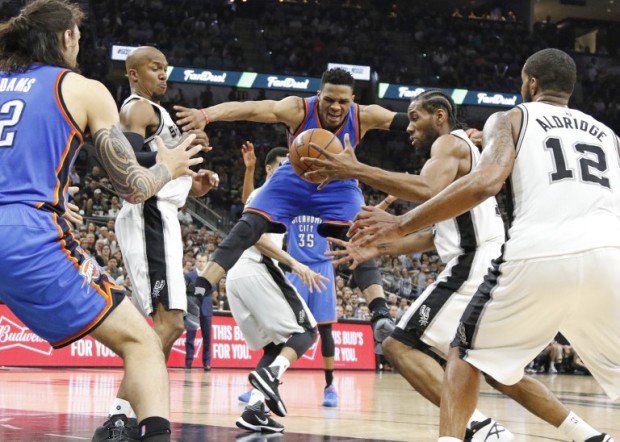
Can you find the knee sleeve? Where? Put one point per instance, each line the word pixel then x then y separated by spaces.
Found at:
pixel 367 274
pixel 242 236
pixel 270 352
pixel 328 348
pixel 301 342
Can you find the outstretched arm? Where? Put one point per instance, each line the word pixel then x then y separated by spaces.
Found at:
pixel 289 111
pixel 486 180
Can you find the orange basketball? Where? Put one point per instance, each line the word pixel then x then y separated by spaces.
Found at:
pixel 301 148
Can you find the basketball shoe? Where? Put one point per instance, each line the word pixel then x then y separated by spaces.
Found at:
pixel 600 438
pixel 487 430
pixel 118 428
pixel 330 397
pixel 256 418
pixel 382 324
pixel 266 381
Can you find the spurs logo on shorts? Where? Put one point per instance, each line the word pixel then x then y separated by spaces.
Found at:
pixel 461 333
pixel 302 317
pixel 157 288
pixel 425 313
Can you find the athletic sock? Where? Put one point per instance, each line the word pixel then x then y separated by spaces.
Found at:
pixel 576 429
pixel 155 429
pixel 379 303
pixel 448 439
pixel 329 377
pixel 121 406
pixel 256 396
pixel 477 416
pixel 281 364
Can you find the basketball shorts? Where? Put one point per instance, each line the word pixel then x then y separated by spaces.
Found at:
pixel 434 317
pixel 522 304
pixel 266 307
pixel 322 304
pixel 149 235
pixel 47 280
pixel 286 196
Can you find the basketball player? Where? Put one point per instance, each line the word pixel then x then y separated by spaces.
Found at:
pixel 271 315
pixel 558 268
pixel 46 278
pixel 286 195
pixel 149 233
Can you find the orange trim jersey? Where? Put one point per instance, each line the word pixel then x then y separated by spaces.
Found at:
pixel 39 140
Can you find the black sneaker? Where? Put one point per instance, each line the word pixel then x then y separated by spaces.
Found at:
pixel 600 438
pixel 118 428
pixel 382 324
pixel 266 381
pixel 256 418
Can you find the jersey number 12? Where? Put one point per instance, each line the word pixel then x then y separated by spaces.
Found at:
pixel 592 162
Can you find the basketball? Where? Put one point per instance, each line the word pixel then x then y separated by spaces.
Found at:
pixel 301 148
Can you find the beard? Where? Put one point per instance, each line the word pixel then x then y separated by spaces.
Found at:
pixel 157 97
pixel 527 97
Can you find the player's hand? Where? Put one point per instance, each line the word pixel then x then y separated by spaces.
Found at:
pixel 202 139
pixel 179 159
pixel 333 166
pixel 312 280
pixel 72 212
pixel 475 136
pixel 372 225
pixel 249 157
pixel 351 253
pixel 189 118
pixel 204 182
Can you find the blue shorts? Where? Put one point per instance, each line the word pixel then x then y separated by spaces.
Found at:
pixel 286 196
pixel 47 280
pixel 322 304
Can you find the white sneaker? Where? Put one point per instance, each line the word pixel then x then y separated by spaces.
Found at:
pixel 487 430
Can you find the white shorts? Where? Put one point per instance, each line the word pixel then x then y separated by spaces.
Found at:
pixel 522 304
pixel 434 317
pixel 149 236
pixel 265 305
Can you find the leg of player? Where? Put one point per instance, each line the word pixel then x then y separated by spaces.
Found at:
pixel 267 379
pixel 255 416
pixel 243 235
pixel 145 382
pixel 330 397
pixel 168 325
pixel 458 397
pixel 538 400
pixel 425 375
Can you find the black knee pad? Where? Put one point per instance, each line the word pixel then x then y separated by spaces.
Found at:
pixel 244 234
pixel 328 347
pixel 301 342
pixel 367 274
pixel 270 353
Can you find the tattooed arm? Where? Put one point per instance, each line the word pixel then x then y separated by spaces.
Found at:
pixel 92 107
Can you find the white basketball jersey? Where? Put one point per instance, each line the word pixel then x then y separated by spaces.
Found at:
pixel 175 191
pixel 253 253
pixel 468 231
pixel 565 185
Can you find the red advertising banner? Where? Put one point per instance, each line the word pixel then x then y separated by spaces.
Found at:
pixel 21 347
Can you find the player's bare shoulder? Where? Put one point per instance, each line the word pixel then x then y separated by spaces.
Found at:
pixel 138 115
pixel 83 96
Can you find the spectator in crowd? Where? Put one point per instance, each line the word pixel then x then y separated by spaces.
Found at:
pixel 199 312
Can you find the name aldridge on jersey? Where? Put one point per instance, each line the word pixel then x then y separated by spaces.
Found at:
pixel 175 191
pixel 565 184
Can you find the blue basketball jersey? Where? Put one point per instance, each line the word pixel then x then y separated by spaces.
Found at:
pixel 304 242
pixel 38 138
pixel 351 125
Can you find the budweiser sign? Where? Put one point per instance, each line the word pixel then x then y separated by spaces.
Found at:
pixel 13 335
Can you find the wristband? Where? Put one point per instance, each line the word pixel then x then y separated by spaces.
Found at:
pixel 206 116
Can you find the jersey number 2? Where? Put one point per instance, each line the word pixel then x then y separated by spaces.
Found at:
pixel 588 167
pixel 10 114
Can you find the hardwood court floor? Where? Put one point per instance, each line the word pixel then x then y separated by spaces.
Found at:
pixel 67 404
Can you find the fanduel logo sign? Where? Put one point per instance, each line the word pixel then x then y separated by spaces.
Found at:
pixel 288 83
pixel 204 76
pixel 405 92
pixel 484 98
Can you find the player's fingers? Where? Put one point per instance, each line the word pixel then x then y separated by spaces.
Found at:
pixel 325 152
pixel 310 161
pixel 179 108
pixel 194 161
pixel 73 190
pixel 159 143
pixel 353 265
pixel 344 260
pixel 347 141
pixel 324 183
pixel 340 252
pixel 313 173
pixel 337 241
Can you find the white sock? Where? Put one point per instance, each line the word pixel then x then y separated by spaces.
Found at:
pixel 576 429
pixel 448 439
pixel 282 363
pixel 477 416
pixel 121 406
pixel 256 396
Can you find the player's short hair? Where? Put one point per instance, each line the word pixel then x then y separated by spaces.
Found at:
pixel 32 36
pixel 274 153
pixel 434 99
pixel 554 69
pixel 337 76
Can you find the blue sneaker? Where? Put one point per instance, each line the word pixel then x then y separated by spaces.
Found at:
pixel 245 397
pixel 330 397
